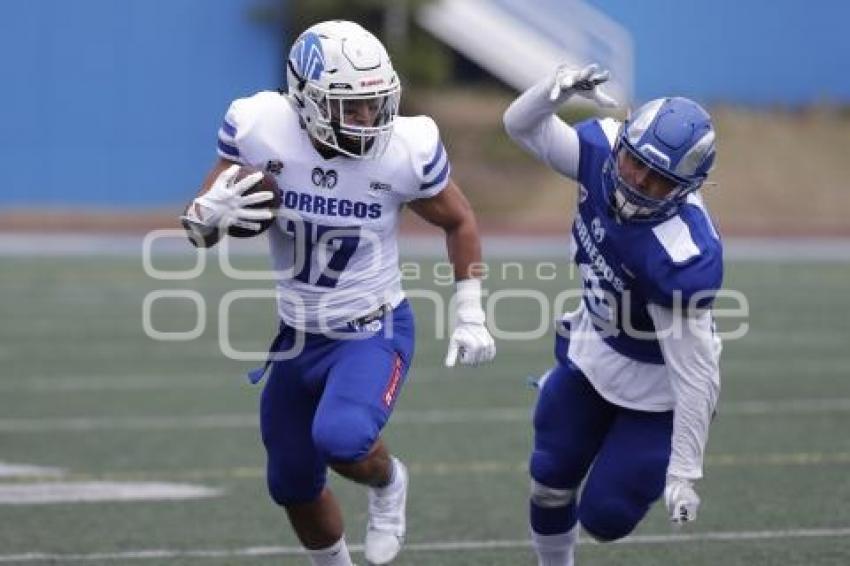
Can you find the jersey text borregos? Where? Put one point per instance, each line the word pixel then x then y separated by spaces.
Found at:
pixel 334 244
pixel 625 266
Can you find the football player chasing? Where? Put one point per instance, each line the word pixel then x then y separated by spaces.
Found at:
pixel 346 165
pixel 626 409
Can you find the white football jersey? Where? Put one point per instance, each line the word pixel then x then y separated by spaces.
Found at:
pixel 333 245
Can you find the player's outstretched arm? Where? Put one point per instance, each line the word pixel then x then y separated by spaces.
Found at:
pixel 692 353
pixel 470 340
pixel 531 121
pixel 221 203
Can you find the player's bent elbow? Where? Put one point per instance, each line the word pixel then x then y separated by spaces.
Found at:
pixel 509 121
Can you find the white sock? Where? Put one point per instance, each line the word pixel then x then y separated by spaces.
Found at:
pixel 334 555
pixel 555 550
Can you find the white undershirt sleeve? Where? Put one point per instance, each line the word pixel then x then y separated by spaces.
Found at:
pixel 531 122
pixel 691 352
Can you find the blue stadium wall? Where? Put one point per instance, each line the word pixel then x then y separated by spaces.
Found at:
pixel 116 103
pixel 113 103
pixel 753 52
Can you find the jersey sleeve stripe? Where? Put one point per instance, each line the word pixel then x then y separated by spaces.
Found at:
pixel 438 155
pixel 228 149
pixel 225 137
pixel 229 129
pixel 438 179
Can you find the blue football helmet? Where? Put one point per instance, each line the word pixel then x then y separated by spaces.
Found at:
pixel 674 139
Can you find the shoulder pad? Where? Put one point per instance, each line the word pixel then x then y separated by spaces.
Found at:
pixel 428 156
pixel 240 136
pixel 600 134
pixel 686 263
pixel 595 138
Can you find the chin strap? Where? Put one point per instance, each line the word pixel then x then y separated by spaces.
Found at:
pixel 301 80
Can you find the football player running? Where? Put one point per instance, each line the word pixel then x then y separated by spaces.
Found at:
pixel 346 165
pixel 626 409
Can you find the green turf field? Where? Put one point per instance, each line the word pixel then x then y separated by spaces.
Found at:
pixel 83 389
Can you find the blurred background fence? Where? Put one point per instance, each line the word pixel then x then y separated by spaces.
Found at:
pixel 110 108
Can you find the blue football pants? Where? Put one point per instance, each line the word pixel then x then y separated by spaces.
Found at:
pixel 620 454
pixel 330 403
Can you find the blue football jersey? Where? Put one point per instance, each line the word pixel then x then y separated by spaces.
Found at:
pixel 625 265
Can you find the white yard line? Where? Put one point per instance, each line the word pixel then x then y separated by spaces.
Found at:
pixel 785 407
pixel 63 384
pixel 165 422
pixel 413 246
pixel 43 493
pixel 8 470
pixel 458 468
pixel 436 546
pixel 433 416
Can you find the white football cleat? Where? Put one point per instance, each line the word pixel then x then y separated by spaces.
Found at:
pixel 385 530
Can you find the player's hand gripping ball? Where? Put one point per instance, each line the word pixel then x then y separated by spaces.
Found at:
pixel 267 183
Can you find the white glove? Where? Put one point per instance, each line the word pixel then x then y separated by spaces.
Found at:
pixel 470 339
pixel 224 205
pixel 584 82
pixel 681 499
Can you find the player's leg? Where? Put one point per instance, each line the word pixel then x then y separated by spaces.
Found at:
pixel 296 472
pixel 319 526
pixel 360 393
pixel 374 470
pixel 359 397
pixel 628 475
pixel 570 423
pixel 387 479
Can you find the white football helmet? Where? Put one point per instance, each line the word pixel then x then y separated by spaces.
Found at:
pixel 344 87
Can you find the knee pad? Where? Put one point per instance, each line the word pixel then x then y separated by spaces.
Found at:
pixel 345 437
pixel 550 497
pixel 609 519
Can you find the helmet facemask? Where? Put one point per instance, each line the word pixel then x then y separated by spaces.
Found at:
pixel 357 125
pixel 631 202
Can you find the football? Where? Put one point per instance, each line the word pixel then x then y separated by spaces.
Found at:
pixel 267 183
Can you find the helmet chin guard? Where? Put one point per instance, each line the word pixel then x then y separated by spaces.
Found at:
pixel 344 88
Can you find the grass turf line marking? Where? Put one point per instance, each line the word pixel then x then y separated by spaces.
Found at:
pixel 444 468
pixel 8 470
pixel 88 492
pixel 753 249
pixel 62 384
pixel 438 546
pixel 434 416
